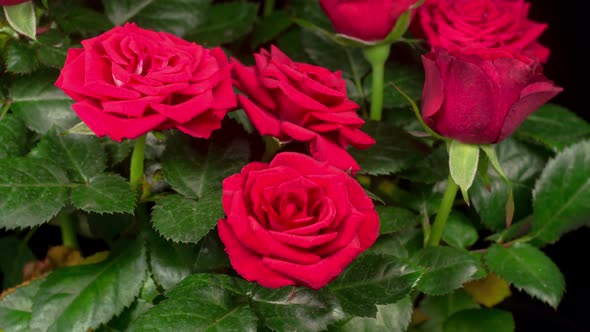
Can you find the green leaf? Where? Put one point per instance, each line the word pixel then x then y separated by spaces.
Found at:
pixel 117 151
pixel 562 194
pixel 225 22
pixel 394 219
pixel 522 166
pixel 21 18
pixel 13 137
pixel 459 231
pixel 296 309
pixel 105 193
pixel 311 11
pixel 394 151
pixel 528 269
pixel 31 190
pixel 183 219
pixel 201 302
pixel 394 317
pixel 446 269
pixel 73 17
pixel 16 307
pixel 554 126
pixel 81 156
pixel 40 104
pixel 408 79
pixel 291 43
pixel 463 159
pixel 53 47
pixel 171 262
pixel 270 27
pixel 490 152
pixel 83 297
pixel 480 320
pixel 399 244
pixel 175 16
pixel 20 57
pixel 326 53
pixel 431 169
pixel 14 254
pixel 374 279
pixel 439 308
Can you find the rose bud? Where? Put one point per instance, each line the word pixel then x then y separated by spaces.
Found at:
pixel 368 20
pixel 457 24
pixel 481 96
pixel 297 101
pixel 295 221
pixel 129 81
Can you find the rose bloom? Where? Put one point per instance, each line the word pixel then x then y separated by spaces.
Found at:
pixel 296 221
pixel 11 2
pixel 482 96
pixel 369 20
pixel 129 81
pixel 301 102
pixel 456 24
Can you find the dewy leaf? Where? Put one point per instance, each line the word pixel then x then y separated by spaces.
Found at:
pixel 480 320
pixel 171 262
pixel 183 219
pixel 562 194
pixel 394 317
pixel 446 269
pixel 463 159
pixel 81 156
pixel 224 23
pixel 527 268
pixel 175 16
pixel 374 279
pixel 14 254
pixel 21 18
pixel 40 104
pixel 394 151
pixel 31 191
pixel 296 309
pixel 105 193
pixel 459 231
pixel 13 137
pixel 522 166
pixel 16 307
pixel 201 302
pixel 85 296
pixel 554 126
pixel 394 219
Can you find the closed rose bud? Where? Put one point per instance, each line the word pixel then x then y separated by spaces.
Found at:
pixel 481 96
pixel 368 20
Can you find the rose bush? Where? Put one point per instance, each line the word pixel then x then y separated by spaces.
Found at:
pixel 295 221
pixel 457 24
pixel 369 20
pixel 296 101
pixel 482 96
pixel 129 81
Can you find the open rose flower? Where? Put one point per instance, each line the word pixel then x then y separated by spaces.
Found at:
pixel 453 24
pixel 129 81
pixel 301 102
pixel 368 20
pixel 296 221
pixel 482 96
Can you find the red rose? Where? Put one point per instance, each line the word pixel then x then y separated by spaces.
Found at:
pixel 369 20
pixel 297 101
pixel 11 2
pixel 481 96
pixel 453 24
pixel 129 81
pixel 296 221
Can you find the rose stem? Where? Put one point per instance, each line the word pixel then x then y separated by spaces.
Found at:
pixel 136 172
pixel 68 230
pixel 377 56
pixel 443 213
pixel 269 6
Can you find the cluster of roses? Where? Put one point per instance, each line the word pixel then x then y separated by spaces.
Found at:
pixel 301 220
pixel 484 74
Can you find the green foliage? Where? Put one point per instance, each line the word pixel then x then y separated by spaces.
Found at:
pixel 94 293
pixel 270 27
pixel 14 254
pixel 440 308
pixel 527 268
pixel 480 320
pixel 104 193
pixel 13 137
pixel 394 219
pixel 20 57
pixel 562 194
pixel 408 79
pixel 16 307
pixel 225 23
pixel 463 160
pixel 393 317
pixel 21 18
pixel 459 231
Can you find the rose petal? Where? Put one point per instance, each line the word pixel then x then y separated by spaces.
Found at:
pixel 303 241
